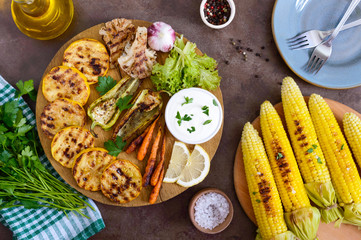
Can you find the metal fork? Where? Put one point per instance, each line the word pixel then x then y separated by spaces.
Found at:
pixel 323 51
pixel 312 38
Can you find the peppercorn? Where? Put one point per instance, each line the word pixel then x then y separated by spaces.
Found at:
pixel 217 12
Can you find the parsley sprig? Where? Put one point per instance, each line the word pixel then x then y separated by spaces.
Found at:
pixel 105 84
pixel 192 129
pixel 186 117
pixel 116 147
pixel 187 100
pixel 205 109
pixel 24 180
pixel 123 103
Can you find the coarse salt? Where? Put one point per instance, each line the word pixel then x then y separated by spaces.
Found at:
pixel 211 209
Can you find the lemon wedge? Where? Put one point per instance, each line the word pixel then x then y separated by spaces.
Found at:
pixel 196 168
pixel 178 160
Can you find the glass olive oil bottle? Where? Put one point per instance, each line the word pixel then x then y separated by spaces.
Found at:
pixel 42 19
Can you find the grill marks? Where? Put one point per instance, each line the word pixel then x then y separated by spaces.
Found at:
pixel 89 165
pixel 54 116
pixel 89 56
pixel 64 82
pixel 69 142
pixel 117 34
pixel 121 182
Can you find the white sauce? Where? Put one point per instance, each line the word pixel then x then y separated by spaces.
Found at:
pixel 201 98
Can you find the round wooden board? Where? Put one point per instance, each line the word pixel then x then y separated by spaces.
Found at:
pixel 325 231
pixel 168 190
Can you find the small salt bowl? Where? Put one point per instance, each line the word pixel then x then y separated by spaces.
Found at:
pixel 203 17
pixel 222 225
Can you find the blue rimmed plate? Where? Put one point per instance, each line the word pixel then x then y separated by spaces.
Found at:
pixel 291 17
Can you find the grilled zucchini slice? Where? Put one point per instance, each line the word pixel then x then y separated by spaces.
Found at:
pixel 60 114
pixel 66 82
pixel 89 56
pixel 88 167
pixel 68 142
pixel 121 181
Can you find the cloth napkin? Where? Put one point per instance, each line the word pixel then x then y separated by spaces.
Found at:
pixel 45 223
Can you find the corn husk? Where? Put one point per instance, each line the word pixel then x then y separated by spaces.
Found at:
pixel 324 196
pixel 304 222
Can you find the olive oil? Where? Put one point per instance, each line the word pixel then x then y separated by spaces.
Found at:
pixel 42 19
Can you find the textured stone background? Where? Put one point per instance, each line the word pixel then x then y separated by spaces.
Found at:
pixel 245 85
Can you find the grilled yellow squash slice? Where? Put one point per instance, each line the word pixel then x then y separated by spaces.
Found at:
pixel 68 142
pixel 88 167
pixel 60 114
pixel 66 82
pixel 89 56
pixel 121 181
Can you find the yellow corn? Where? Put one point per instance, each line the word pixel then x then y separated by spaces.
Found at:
pixel 345 177
pixel 308 152
pixel 344 174
pixel 287 176
pixel 352 128
pixel 265 199
pixel 283 163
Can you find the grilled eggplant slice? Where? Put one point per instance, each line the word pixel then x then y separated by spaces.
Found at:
pixel 88 167
pixel 65 82
pixel 89 56
pixel 68 142
pixel 60 114
pixel 104 111
pixel 146 107
pixel 121 181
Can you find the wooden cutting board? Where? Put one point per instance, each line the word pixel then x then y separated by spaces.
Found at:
pixel 168 190
pixel 325 231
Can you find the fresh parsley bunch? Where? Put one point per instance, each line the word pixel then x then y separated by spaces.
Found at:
pixel 24 181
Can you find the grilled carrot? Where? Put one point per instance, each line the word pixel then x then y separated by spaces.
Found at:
pixel 156 173
pixel 155 192
pixel 137 141
pixel 144 147
pixel 152 158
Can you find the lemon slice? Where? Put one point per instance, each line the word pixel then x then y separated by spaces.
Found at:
pixel 196 169
pixel 178 160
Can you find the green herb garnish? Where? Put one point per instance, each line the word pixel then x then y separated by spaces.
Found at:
pixel 205 110
pixel 123 103
pixel 105 84
pixel 279 156
pixel 187 100
pixel 314 146
pixel 257 200
pixel 192 129
pixel 186 117
pixel 215 103
pixel 310 150
pixel 342 146
pixel 116 147
pixel 207 122
pixel 319 160
pixel 254 193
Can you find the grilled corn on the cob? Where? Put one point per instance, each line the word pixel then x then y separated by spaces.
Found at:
pixel 352 128
pixel 262 187
pixel 302 219
pixel 308 152
pixel 342 167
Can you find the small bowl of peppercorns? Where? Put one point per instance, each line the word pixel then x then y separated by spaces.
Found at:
pixel 217 14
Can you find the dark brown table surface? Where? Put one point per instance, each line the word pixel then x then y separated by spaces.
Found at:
pixel 245 85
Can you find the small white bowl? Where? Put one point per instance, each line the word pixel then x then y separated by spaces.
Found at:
pixel 202 132
pixel 233 12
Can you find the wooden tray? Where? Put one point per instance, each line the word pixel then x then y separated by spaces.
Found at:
pixel 325 231
pixel 168 190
